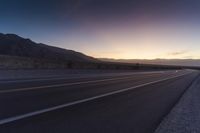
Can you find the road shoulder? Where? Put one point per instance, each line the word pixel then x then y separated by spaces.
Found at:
pixel 185 116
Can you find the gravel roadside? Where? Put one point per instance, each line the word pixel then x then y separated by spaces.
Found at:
pixel 185 116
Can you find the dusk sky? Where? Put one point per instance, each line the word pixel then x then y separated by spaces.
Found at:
pixel 121 29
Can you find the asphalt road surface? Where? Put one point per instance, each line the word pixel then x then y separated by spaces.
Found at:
pixel 102 103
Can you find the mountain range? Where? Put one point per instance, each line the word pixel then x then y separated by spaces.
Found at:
pixel 14 45
pixel 175 62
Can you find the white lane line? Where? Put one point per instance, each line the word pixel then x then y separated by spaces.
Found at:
pixel 88 76
pixel 19 117
pixel 61 85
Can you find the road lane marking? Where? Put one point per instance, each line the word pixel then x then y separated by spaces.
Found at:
pixel 62 85
pixel 23 116
pixel 60 78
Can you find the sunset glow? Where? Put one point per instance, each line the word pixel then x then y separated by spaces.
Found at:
pixel 133 30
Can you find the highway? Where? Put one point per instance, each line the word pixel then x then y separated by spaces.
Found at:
pixel 134 102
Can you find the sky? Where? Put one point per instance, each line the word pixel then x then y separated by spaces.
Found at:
pixel 120 29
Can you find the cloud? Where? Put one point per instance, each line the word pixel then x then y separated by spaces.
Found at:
pixel 178 53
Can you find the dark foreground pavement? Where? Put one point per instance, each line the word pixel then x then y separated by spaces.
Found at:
pixel 139 109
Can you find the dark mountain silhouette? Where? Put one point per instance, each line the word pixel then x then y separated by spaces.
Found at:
pixel 174 62
pixel 14 45
pixel 17 52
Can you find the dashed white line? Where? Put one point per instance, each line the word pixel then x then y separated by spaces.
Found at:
pixel 60 85
pixel 19 117
pixel 85 76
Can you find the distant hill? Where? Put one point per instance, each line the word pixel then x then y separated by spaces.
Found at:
pixel 175 62
pixel 20 53
pixel 14 45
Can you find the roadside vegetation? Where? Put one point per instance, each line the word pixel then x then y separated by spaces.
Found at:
pixel 15 62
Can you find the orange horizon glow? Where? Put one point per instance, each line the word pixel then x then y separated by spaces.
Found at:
pixel 140 43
